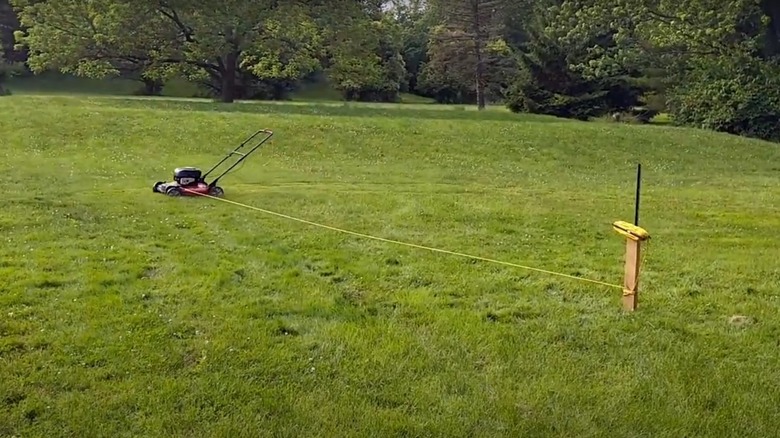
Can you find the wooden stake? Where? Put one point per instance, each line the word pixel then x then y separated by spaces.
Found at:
pixel 631 281
pixel 634 235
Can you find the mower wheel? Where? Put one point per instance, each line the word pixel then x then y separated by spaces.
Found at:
pixel 173 191
pixel 216 191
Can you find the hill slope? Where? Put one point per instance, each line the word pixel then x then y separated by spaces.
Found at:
pixel 128 313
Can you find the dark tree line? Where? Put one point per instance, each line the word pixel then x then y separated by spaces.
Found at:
pixel 708 63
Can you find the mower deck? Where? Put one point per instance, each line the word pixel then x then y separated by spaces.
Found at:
pixel 173 188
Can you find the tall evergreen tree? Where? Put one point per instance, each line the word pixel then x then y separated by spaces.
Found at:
pixel 471 25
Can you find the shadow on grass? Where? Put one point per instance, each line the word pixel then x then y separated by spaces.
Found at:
pixel 332 109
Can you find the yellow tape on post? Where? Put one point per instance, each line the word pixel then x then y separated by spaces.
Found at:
pixel 630 230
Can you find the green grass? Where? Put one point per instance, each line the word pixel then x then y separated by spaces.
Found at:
pixel 126 313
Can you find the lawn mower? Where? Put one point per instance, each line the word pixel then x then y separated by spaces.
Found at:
pixel 188 181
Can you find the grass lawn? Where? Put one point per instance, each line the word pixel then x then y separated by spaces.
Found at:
pixel 127 313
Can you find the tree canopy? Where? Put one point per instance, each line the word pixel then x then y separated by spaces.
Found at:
pixel 719 59
pixel 569 58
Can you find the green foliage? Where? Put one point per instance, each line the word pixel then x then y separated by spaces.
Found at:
pixel 518 18
pixel 550 83
pixel 459 50
pixel 554 90
pixel 290 48
pixel 569 58
pixel 368 64
pixel 448 75
pixel 8 24
pixel 501 68
pixel 736 96
pixel 217 43
pixel 234 47
pixel 712 53
pixel 646 31
pixel 271 40
pixel 414 21
pixel 89 38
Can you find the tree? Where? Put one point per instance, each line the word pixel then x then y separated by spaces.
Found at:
pixel 520 17
pixel 8 25
pixel 708 48
pixel 220 43
pixel 733 95
pixel 10 59
pixel 649 30
pixel 548 86
pixel 366 62
pixel 414 21
pixel 448 74
pixel 89 38
pixel 218 39
pixel 3 75
pixel 548 82
pixel 472 25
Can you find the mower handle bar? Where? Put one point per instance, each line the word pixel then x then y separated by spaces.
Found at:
pixel 243 155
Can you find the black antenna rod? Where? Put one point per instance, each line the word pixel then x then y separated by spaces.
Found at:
pixel 638 187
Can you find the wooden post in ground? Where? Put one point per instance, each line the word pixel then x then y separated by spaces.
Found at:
pixel 634 238
pixel 631 281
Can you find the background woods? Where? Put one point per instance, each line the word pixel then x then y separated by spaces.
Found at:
pixel 578 59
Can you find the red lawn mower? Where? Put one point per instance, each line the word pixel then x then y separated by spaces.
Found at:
pixel 188 181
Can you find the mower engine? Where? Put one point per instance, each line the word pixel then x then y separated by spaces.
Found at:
pixel 186 176
pixel 186 181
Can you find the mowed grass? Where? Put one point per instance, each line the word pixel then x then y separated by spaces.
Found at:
pixel 127 313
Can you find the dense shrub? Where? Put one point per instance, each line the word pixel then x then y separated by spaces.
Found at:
pixel 729 95
pixel 547 85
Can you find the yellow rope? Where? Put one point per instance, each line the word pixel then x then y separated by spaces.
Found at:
pixel 412 245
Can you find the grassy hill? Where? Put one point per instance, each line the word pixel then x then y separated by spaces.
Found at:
pixel 127 313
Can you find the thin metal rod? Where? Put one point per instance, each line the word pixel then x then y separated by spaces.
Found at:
pixel 233 152
pixel 638 188
pixel 268 134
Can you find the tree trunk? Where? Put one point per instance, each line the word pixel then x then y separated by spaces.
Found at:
pixel 152 87
pixel 3 76
pixel 479 72
pixel 228 92
pixel 480 75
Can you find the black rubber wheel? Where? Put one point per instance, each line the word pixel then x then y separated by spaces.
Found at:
pixel 173 191
pixel 216 192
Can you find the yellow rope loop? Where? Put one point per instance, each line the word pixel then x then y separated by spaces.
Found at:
pixel 411 245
